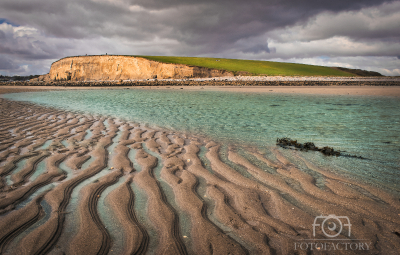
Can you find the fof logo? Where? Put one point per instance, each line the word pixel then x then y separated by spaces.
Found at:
pixel 331 225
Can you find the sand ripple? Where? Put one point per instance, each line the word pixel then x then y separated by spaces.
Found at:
pixel 200 197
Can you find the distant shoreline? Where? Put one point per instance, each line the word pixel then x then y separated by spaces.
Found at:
pixel 226 81
pixel 385 91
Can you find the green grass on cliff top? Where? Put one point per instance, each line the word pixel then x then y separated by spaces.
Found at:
pixel 253 67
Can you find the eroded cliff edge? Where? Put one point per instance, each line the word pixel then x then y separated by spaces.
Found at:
pixel 110 67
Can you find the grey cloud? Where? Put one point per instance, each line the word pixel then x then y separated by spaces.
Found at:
pixel 226 28
pixel 259 48
pixel 26 44
pixel 236 19
pixel 68 19
pixel 370 23
pixel 7 64
pixel 315 4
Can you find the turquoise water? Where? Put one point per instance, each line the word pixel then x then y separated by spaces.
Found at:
pixel 362 125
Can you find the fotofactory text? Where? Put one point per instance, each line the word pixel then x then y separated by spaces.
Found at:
pixel 332 233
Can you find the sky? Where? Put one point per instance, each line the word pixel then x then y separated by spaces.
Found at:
pixel 361 34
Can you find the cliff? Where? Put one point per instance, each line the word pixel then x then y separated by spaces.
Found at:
pixel 109 67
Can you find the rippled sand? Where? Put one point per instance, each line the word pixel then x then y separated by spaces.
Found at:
pixel 79 184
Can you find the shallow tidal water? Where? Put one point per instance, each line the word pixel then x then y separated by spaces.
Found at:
pixel 365 126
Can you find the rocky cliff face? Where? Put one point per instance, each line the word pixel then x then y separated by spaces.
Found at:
pixel 106 68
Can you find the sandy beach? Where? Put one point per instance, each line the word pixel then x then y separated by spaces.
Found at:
pixel 391 91
pixel 193 198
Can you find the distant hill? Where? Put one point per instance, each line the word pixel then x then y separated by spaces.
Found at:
pixel 359 72
pixel 256 67
pixel 120 67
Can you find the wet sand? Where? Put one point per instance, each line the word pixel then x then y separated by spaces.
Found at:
pixel 199 197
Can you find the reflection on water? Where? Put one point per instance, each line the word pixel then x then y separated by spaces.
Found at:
pixel 365 126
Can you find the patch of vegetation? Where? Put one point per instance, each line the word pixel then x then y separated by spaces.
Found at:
pixel 252 67
pixel 359 72
pixel 17 78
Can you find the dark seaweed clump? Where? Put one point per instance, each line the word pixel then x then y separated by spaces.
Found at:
pixel 288 143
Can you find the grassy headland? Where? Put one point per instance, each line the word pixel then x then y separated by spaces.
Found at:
pixel 253 67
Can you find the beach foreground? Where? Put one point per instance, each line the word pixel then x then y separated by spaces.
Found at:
pixel 170 193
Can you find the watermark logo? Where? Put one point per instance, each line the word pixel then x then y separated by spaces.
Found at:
pixel 336 236
pixel 332 225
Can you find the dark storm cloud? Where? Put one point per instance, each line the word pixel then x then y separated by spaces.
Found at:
pixel 225 28
pixel 190 21
pixel 308 4
pixel 381 24
pixel 240 19
pixel 69 19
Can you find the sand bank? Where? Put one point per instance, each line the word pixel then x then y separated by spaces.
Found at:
pixel 390 91
pixel 198 196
